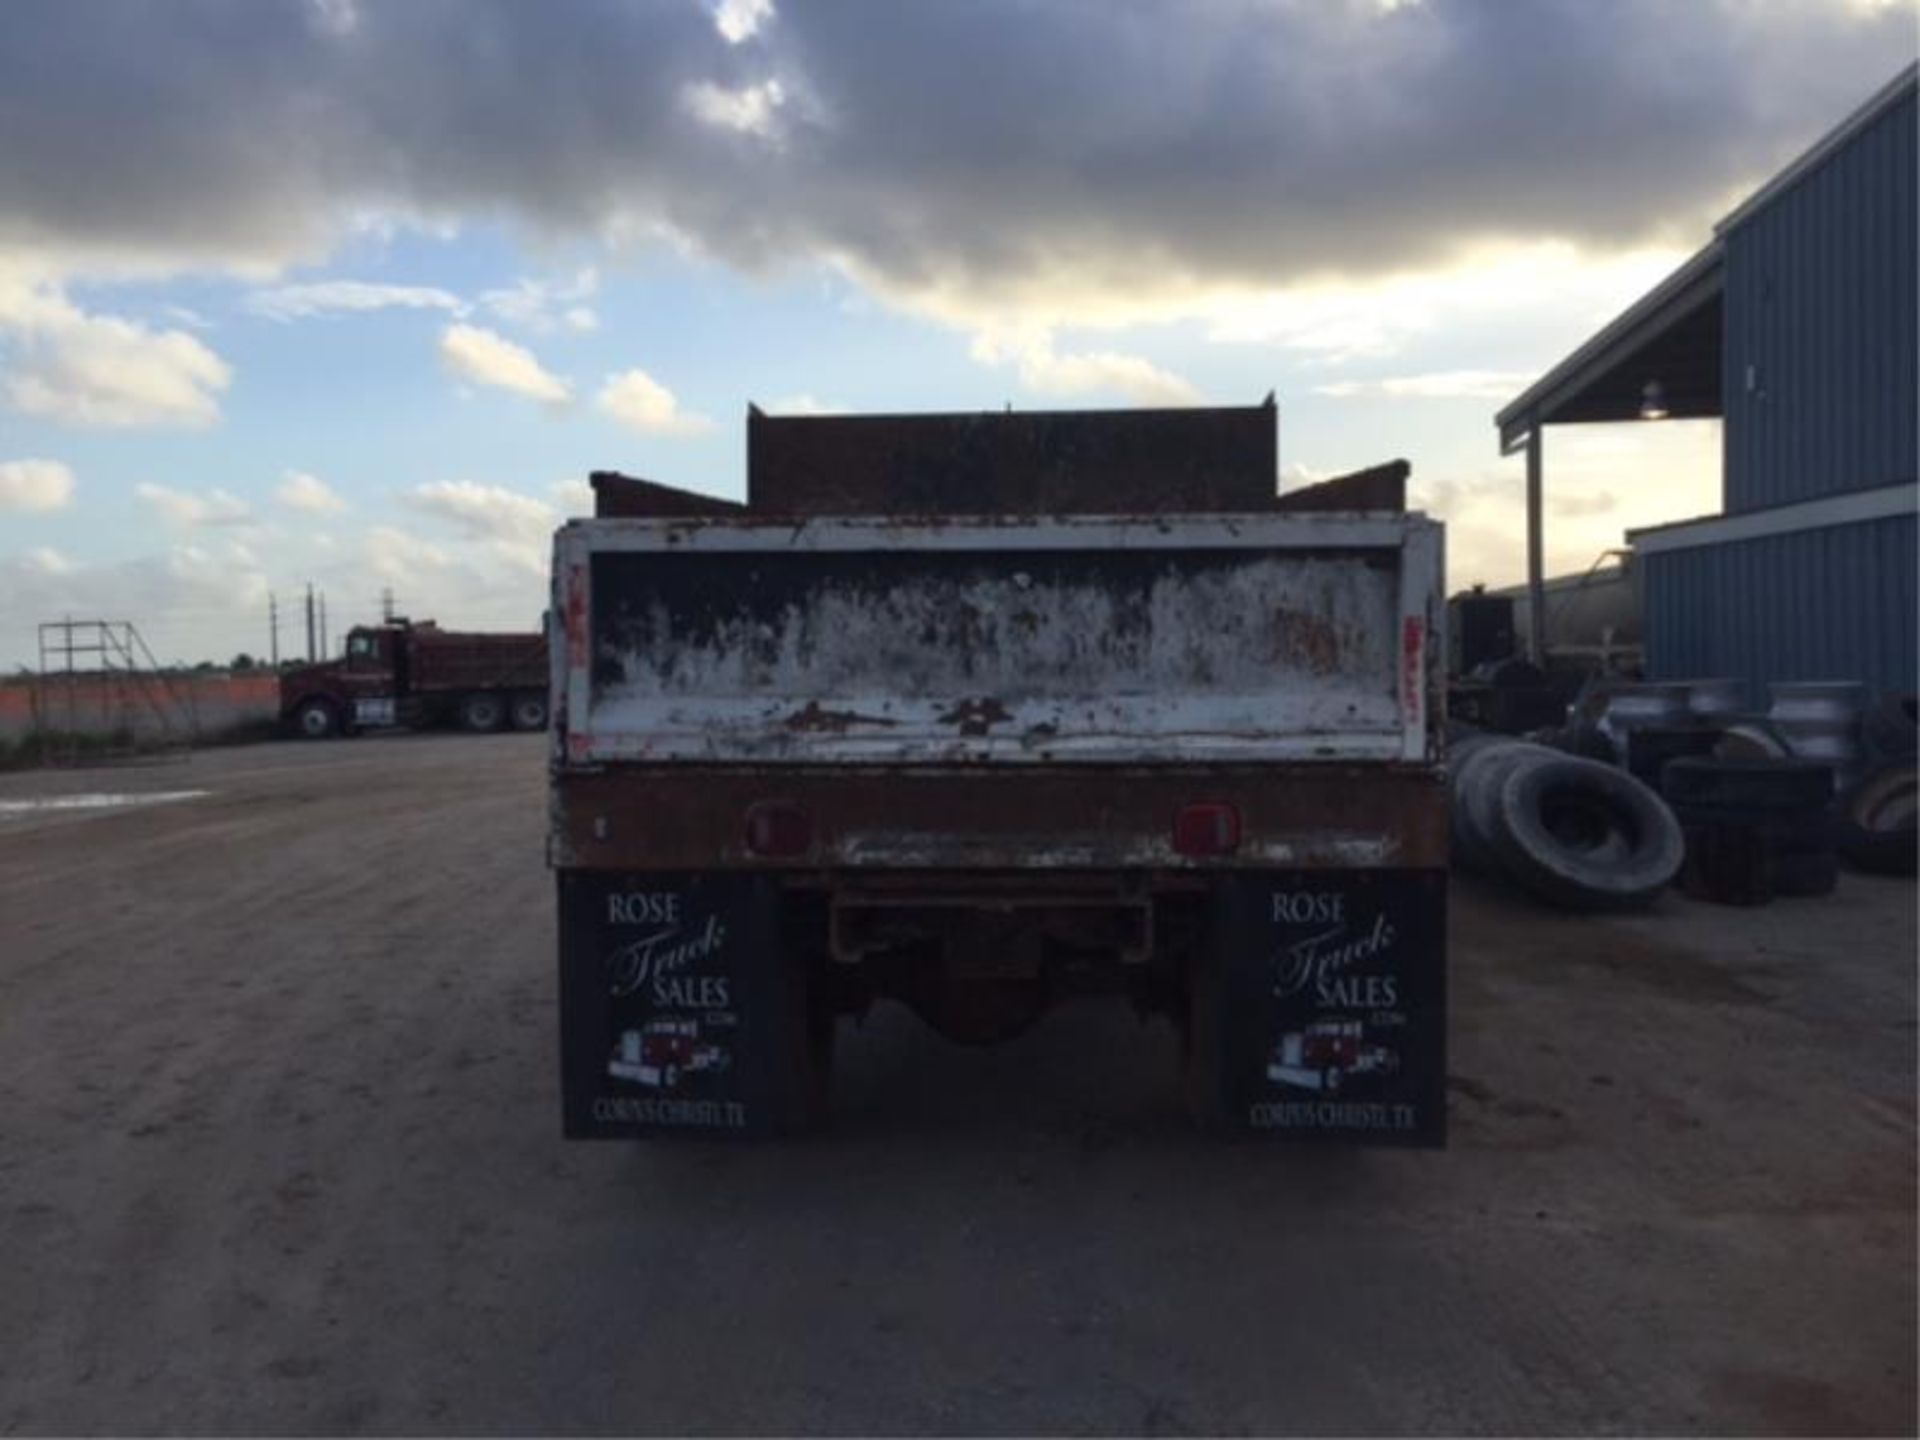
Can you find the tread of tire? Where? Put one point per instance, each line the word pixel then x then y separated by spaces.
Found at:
pixel 1556 872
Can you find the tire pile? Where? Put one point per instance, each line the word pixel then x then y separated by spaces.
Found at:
pixel 1568 829
pixel 1722 806
pixel 1755 828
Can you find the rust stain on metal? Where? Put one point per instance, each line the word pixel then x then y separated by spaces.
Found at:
pixel 1307 815
pixel 814 718
pixel 976 717
pixel 1306 639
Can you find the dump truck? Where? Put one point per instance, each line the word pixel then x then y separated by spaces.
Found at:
pixel 986 714
pixel 413 673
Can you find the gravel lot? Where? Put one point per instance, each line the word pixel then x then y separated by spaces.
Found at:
pixel 281 1153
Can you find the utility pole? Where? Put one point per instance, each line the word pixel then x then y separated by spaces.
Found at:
pixel 324 652
pixel 386 603
pixel 310 655
pixel 273 627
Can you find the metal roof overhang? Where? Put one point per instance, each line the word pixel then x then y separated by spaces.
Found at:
pixel 1670 335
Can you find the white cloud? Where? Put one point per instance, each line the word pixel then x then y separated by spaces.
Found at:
pixel 1577 504
pixel 205 597
pixel 636 399
pixel 748 110
pixel 1600 482
pixel 80 368
pixel 395 554
pixel 1293 475
pixel 995 155
pixel 48 561
pixel 1437 385
pixel 512 527
pixel 489 359
pixel 1341 321
pixel 326 297
pixel 190 604
pixel 1048 372
pixel 35 485
pixel 572 497
pixel 335 18
pixel 486 511
pixel 547 305
pixel 183 508
pixel 301 491
pixel 740 20
pixel 802 405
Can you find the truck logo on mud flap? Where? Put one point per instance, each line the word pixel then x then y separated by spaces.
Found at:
pixel 1340 1029
pixel 1321 1056
pixel 660 1052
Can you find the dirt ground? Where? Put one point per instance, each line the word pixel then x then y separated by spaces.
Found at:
pixel 280 1153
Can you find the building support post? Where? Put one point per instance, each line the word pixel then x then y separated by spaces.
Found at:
pixel 1536 583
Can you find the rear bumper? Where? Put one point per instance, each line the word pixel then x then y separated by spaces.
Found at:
pixel 955 818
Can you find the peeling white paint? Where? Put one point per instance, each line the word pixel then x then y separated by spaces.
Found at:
pixel 1249 655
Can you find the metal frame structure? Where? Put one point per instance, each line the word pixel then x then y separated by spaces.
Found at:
pixel 122 698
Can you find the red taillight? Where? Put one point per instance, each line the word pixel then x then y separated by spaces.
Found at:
pixel 778 829
pixel 1206 830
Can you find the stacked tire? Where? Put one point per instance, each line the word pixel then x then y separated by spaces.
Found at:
pixel 1754 828
pixel 1570 831
pixel 1875 818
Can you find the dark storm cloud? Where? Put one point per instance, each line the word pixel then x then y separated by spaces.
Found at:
pixel 975 148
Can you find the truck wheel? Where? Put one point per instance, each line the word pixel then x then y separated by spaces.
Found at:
pixel 529 711
pixel 316 720
pixel 481 713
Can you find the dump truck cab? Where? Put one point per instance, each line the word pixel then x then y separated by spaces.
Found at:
pixel 361 688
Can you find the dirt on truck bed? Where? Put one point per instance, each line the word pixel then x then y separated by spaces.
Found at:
pixel 282 1153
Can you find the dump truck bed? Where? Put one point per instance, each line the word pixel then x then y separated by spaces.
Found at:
pixel 449 660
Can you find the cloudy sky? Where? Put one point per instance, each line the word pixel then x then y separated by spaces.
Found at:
pixel 358 292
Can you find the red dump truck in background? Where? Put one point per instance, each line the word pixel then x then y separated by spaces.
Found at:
pixel 411 672
pixel 982 713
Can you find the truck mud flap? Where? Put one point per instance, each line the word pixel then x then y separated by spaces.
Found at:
pixel 1319 1012
pixel 677 1007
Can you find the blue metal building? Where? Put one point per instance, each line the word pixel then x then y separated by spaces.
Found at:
pixel 1796 324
